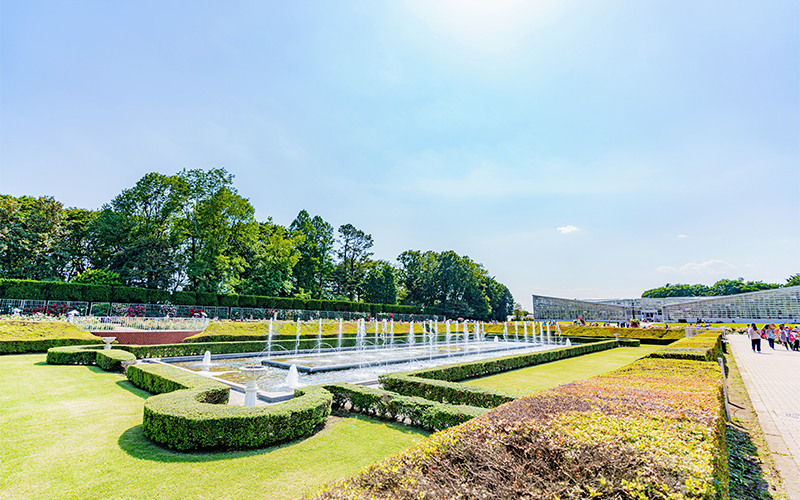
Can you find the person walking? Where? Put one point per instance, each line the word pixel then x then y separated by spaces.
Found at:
pixel 784 337
pixel 770 336
pixel 755 337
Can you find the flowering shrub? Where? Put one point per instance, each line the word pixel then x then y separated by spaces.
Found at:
pixel 134 311
pixel 703 347
pixel 652 429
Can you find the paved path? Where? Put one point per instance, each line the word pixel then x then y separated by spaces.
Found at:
pixel 772 379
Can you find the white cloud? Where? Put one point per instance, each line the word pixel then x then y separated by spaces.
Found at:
pixel 682 236
pixel 711 267
pixel 567 229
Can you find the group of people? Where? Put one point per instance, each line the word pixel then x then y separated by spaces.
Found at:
pixel 786 335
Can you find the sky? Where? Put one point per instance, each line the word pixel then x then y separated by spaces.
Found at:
pixel 575 149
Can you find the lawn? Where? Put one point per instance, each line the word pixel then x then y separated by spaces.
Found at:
pixel 75 432
pixel 548 375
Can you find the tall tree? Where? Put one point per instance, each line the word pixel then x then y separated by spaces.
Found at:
pixel 271 261
pixel 29 231
pixel 218 229
pixel 313 270
pixel 353 261
pixel 137 232
pixel 380 286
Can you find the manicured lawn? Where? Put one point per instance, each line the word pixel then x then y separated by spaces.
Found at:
pixel 20 329
pixel 548 375
pixel 75 432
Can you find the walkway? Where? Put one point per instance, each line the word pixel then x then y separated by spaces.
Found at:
pixel 772 379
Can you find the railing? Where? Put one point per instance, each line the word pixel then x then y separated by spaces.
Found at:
pixel 108 323
pixel 57 308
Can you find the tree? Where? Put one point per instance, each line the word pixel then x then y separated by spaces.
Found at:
pixel 315 266
pixel 793 280
pixel 75 248
pixel 218 229
pixel 98 277
pixel 137 232
pixel 29 231
pixel 353 261
pixel 271 261
pixel 380 286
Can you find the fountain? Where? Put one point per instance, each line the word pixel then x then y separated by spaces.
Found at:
pixel 297 338
pixel 339 338
pixel 516 332
pixel 292 379
pixel 206 360
pixel 505 331
pixel 319 336
pixel 251 374
pixel 269 338
pixel 108 341
pixel 411 338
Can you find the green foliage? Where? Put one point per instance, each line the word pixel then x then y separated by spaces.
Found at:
pixel 227 300
pixel 191 414
pixel 98 277
pixel 206 299
pixel 793 280
pixel 184 298
pixel 721 287
pixel 29 234
pixel 111 359
pixel 353 253
pixel 439 383
pixel 706 346
pixel 380 286
pixel 315 266
pixel 412 410
pixel 126 294
pixel 644 334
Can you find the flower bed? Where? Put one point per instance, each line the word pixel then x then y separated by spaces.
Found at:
pixel 652 429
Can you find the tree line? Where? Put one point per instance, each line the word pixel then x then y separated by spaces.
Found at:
pixel 721 287
pixel 193 231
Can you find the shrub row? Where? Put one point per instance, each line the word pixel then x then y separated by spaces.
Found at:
pixel 410 410
pixel 191 419
pixel 631 333
pixel 41 345
pixel 652 429
pixel 439 383
pixel 706 346
pixel 162 379
pixel 107 359
pixel 55 290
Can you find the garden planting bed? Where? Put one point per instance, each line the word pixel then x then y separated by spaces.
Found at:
pixel 652 429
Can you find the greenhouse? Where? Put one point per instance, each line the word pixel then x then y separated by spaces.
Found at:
pixel 779 305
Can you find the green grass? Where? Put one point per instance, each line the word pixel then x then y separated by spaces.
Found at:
pixel 545 376
pixel 75 432
pixel 19 329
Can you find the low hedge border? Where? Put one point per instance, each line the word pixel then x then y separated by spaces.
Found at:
pixel 440 383
pixel 706 346
pixel 191 418
pixel 107 359
pixel 409 410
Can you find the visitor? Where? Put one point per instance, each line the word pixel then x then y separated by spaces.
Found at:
pixel 796 333
pixel 784 338
pixel 755 337
pixel 770 336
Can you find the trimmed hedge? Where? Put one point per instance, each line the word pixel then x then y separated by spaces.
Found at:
pixel 107 359
pixel 439 383
pixel 26 346
pixel 162 379
pixel 111 359
pixel 20 336
pixel 192 418
pixel 632 333
pixel 410 410
pixel 706 346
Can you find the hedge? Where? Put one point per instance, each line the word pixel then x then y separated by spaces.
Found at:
pixel 26 346
pixel 632 333
pixel 78 292
pixel 161 379
pixel 410 410
pixel 706 346
pixel 196 418
pixel 439 383
pixel 107 359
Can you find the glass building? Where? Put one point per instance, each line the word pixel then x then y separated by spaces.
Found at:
pixel 778 305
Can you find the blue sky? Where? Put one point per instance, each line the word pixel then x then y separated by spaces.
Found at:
pixel 576 149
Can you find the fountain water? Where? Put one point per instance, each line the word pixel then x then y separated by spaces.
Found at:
pixel 339 343
pixel 391 332
pixel 516 332
pixel 411 337
pixel 269 338
pixel 319 336
pixel 206 360
pixel 292 378
pixel 505 331
pixel 525 329
pixel 297 337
